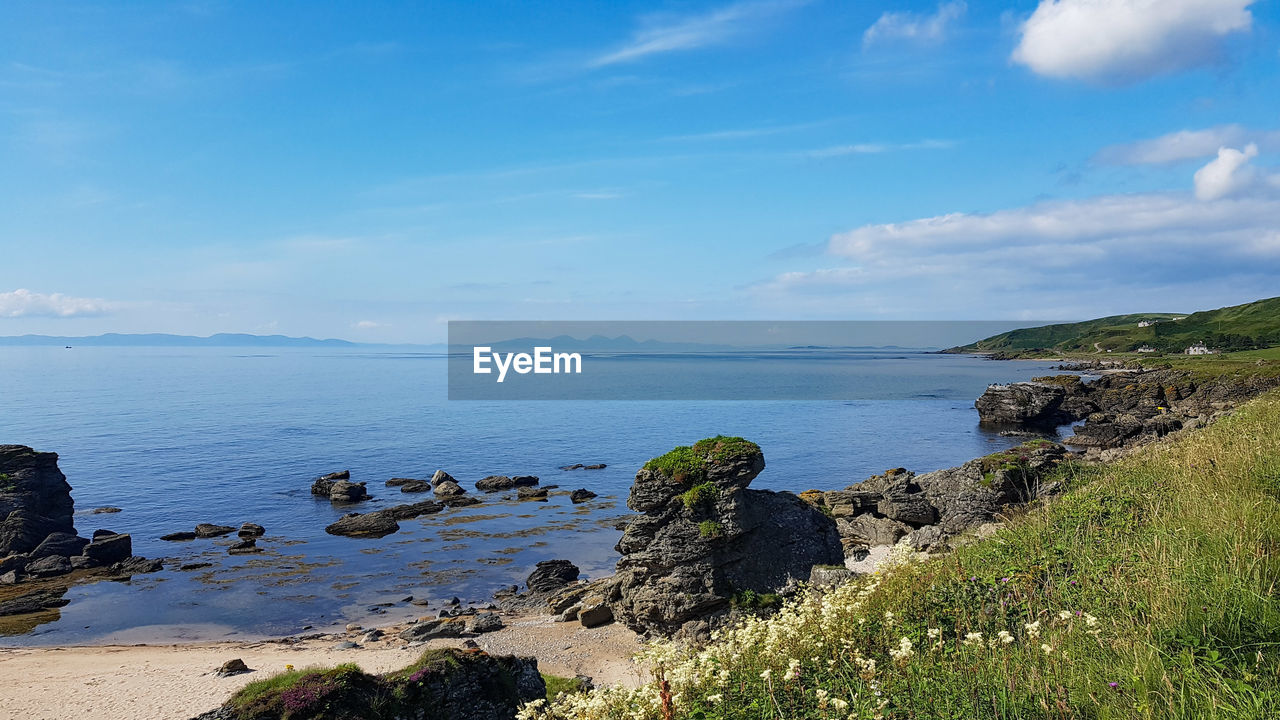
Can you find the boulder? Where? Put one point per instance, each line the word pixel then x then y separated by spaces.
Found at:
pixel 209 530
pixel 109 549
pixel 323 485
pixel 581 495
pixel 35 499
pixel 136 565
pixel 432 629
pixel 596 466
pixel 524 480
pixel 448 488
pixel 460 500
pixel 441 476
pixel 179 536
pixel 251 530
pixel 829 575
pixel 48 566
pixel 345 491
pixel 232 667
pixel 493 483
pixel 531 493
pixel 247 546
pixel 415 486
pixel 408 512
pixel 594 611
pixel 370 525
pixel 865 531
pixel 552 575
pixel 484 622
pixel 400 482
pixel 705 537
pixel 59 543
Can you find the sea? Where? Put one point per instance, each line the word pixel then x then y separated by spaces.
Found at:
pixel 180 436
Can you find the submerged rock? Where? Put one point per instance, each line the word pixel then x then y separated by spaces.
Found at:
pixel 581 495
pixel 209 530
pixel 251 530
pixel 371 525
pixel 494 483
pixel 531 493
pixel 179 536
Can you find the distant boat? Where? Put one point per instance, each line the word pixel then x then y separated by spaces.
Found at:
pixel 68 347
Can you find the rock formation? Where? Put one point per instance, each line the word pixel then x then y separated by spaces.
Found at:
pixel 705 538
pixel 933 509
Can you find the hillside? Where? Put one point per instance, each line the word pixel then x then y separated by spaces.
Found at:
pixel 1242 327
pixel 1146 591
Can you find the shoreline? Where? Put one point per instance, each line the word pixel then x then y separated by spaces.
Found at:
pixel 175 681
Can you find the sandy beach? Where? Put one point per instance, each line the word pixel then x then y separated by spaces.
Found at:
pixel 176 682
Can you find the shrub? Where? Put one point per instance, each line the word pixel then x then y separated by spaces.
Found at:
pixel 699 495
pixel 710 529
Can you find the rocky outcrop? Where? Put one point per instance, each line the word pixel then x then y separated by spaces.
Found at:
pixel 494 483
pixel 931 510
pixel 705 537
pixel 369 525
pixel 35 499
pixel 1120 408
pixel 552 575
pixel 444 684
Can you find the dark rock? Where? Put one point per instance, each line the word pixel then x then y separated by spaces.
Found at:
pixel 685 558
pixel 105 510
pixel 251 530
pixel 431 629
pixel 34 601
pixel 195 566
pixel 232 667
pixel 401 482
pixel 35 499
pixel 597 466
pixel 524 480
pixel 16 561
pixel 531 493
pixel 594 612
pixel 179 536
pixel 49 566
pixel 551 575
pixel 344 491
pixel 441 476
pixel 136 566
pixel 867 531
pixel 246 546
pixel 370 525
pixel 408 512
pixel 64 544
pixel 460 500
pixel 581 495
pixel 448 488
pixel 103 532
pixel 494 483
pixel 209 530
pixel 415 486
pixel 575 466
pixel 110 549
pixel 506 591
pixel 323 485
pixel 1025 404
pixel 484 622
pixel 80 562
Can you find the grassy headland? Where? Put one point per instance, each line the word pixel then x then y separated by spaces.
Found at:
pixel 1148 590
pixel 1252 326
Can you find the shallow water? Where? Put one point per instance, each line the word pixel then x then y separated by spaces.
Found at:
pixel 179 436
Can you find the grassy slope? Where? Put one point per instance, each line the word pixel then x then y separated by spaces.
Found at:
pixel 1120 333
pixel 1147 591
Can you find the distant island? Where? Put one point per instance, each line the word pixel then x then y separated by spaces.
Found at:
pixel 167 340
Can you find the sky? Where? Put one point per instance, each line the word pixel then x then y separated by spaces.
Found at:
pixel 370 171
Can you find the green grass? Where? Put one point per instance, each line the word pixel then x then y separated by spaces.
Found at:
pixel 1147 591
pixel 557 686
pixel 752 600
pixel 699 495
pixel 1250 326
pixel 689 463
pixel 710 529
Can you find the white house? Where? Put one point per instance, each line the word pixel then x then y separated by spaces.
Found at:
pixel 1200 349
pixel 1146 323
pixel 1146 349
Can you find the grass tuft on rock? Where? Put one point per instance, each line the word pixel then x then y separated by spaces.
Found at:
pixel 686 463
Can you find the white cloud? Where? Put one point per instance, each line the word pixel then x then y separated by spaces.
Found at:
pixel 665 33
pixel 1226 174
pixel 368 325
pixel 24 303
pixel 1126 40
pixel 914 27
pixel 1186 145
pixel 876 148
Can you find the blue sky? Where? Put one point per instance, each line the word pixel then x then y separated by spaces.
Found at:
pixel 371 172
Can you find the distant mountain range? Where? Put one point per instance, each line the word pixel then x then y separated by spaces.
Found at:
pixel 167 340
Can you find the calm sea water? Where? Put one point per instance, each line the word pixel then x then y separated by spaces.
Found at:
pixel 179 436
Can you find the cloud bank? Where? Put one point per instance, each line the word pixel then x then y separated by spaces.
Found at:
pixel 1122 41
pixel 24 303
pixel 1187 145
